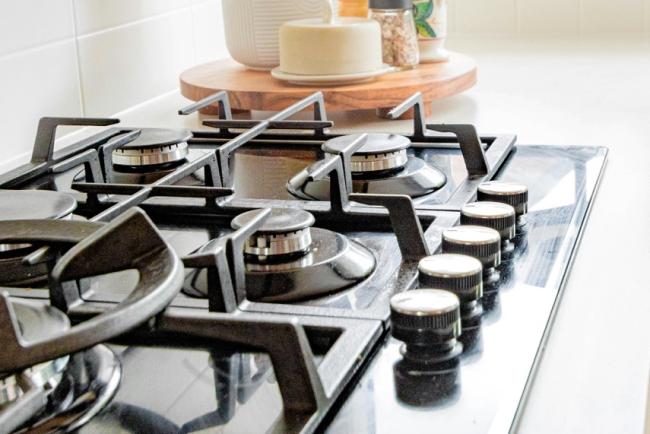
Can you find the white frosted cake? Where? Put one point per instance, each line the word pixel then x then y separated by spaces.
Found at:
pixel 343 46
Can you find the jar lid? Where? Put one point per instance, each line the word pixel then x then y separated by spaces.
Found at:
pixel 390 4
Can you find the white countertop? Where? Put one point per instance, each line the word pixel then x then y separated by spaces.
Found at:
pixel 594 374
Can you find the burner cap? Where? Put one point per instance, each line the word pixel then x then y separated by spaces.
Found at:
pixel 380 152
pixel 35 204
pixel 284 232
pixel 377 143
pixel 155 137
pixel 152 147
pixel 279 221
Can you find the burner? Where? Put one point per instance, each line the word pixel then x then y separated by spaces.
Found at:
pixel 288 260
pixel 380 153
pixel 28 205
pixel 285 232
pixel 380 166
pixel 88 384
pixel 153 154
pixel 153 147
pixel 75 387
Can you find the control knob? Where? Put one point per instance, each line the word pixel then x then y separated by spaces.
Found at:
pixel 460 274
pixel 428 322
pixel 479 242
pixel 510 193
pixel 496 215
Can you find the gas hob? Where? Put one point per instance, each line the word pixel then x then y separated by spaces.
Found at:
pixel 272 275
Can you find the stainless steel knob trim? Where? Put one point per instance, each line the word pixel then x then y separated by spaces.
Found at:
pixel 495 215
pixel 460 274
pixel 480 242
pixel 510 193
pixel 425 317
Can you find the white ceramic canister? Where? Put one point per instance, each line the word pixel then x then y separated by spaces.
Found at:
pixel 251 27
pixel 431 22
pixel 341 46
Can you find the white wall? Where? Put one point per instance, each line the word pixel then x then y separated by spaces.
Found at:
pixel 549 18
pixel 99 57
pixel 94 58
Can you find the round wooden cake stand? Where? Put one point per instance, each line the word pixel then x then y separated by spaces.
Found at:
pixel 257 90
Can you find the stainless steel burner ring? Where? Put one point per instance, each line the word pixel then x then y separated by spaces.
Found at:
pixel 153 156
pixel 284 232
pixel 46 376
pixel 360 163
pixel 13 247
pixel 380 152
pixel 262 245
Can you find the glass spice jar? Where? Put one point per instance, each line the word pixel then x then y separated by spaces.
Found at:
pixel 398 32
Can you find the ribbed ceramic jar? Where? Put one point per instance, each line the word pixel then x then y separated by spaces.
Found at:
pixel 431 22
pixel 251 27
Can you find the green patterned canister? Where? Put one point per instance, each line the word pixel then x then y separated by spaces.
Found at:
pixel 431 22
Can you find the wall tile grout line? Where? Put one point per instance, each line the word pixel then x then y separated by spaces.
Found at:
pixel 580 23
pixel 194 36
pixel 518 28
pixel 80 81
pixel 135 22
pixel 646 26
pixel 35 48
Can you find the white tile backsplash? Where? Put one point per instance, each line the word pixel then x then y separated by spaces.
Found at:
pixel 30 23
pixel 99 57
pixel 95 15
pixel 130 64
pixel 487 17
pixel 549 17
pixel 209 39
pixel 94 58
pixel 608 17
pixel 33 84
